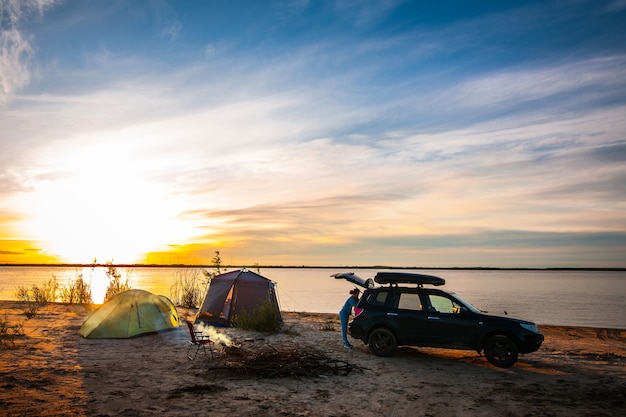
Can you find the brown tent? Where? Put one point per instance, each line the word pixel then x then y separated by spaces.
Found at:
pixel 234 292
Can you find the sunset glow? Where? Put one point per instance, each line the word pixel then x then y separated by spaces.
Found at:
pixel 98 203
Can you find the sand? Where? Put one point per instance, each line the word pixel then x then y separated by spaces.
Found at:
pixel 52 371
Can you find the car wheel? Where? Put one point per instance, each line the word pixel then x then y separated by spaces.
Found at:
pixel 501 351
pixel 382 342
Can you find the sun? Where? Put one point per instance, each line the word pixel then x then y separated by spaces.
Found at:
pixel 103 206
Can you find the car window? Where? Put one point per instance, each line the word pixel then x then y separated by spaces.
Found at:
pixel 409 301
pixel 442 304
pixel 378 298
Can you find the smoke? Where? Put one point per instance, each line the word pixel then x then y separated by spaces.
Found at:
pixel 214 335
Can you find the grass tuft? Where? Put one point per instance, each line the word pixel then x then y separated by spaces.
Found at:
pixel 265 318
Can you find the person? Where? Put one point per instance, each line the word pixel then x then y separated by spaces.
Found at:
pixel 344 315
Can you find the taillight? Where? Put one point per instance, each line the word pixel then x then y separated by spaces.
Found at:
pixel 357 311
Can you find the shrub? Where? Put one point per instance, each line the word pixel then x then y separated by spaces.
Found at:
pixel 116 283
pixel 329 326
pixel 77 291
pixel 48 292
pixel 8 332
pixel 22 294
pixel 264 318
pixel 37 297
pixel 187 290
pixel 42 295
pixel 25 296
pixel 32 309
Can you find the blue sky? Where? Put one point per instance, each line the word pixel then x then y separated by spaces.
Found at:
pixel 403 133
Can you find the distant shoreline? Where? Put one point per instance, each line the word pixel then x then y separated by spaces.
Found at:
pixel 463 268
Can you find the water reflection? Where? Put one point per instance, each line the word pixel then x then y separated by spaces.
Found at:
pixel 98 280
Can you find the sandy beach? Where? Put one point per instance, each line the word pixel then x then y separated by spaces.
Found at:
pixel 52 371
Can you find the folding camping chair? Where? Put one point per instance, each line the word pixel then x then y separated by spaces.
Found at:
pixel 199 341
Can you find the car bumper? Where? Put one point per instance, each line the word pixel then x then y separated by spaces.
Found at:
pixel 531 343
pixel 356 331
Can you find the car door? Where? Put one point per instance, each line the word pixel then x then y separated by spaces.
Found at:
pixel 410 317
pixel 448 324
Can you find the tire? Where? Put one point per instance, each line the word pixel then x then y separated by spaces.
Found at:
pixel 501 351
pixel 382 342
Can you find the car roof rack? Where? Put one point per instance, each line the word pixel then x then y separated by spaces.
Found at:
pixel 395 278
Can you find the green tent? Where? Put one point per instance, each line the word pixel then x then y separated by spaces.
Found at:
pixel 130 313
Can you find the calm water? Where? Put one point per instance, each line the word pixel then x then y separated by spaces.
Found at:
pixel 574 298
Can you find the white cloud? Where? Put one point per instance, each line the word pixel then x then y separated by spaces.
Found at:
pixel 210 50
pixel 15 56
pixel 16 51
pixel 171 31
pixel 527 85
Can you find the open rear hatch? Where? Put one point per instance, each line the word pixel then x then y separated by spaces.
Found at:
pixel 355 279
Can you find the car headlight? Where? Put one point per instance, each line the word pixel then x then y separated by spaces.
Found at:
pixel 532 327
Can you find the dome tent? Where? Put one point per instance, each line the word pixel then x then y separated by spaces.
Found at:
pixel 233 293
pixel 130 313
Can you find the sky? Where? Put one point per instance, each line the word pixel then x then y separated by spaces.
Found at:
pixel 313 132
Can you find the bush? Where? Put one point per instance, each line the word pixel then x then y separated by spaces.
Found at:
pixel 77 291
pixel 48 292
pixel 37 297
pixel 8 332
pixel 42 295
pixel 25 296
pixel 329 326
pixel 264 318
pixel 116 284
pixel 22 294
pixel 32 309
pixel 187 290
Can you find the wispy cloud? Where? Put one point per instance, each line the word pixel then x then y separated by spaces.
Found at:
pixel 16 50
pixel 16 53
pixel 575 81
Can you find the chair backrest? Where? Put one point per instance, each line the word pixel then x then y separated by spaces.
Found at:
pixel 192 331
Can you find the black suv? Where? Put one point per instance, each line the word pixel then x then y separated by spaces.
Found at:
pixel 392 315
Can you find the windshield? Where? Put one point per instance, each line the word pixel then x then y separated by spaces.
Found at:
pixel 469 306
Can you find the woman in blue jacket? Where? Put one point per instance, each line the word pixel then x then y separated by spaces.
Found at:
pixel 344 315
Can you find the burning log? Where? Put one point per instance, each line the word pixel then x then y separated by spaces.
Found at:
pixel 289 360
